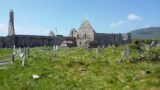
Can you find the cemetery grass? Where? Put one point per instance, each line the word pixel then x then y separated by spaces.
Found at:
pixel 77 68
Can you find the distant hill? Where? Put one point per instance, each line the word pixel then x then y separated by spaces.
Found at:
pixel 146 33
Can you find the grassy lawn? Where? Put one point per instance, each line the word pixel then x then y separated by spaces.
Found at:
pixel 77 68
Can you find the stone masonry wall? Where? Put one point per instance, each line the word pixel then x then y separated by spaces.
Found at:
pixel 32 41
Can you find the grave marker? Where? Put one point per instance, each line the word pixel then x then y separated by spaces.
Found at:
pixel 28 53
pixel 125 53
pixel 14 50
pixel 20 51
pixel 152 44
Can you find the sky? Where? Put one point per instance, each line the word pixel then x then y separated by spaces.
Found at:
pixel 38 17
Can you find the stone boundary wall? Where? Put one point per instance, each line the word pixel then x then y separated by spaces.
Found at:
pixel 32 41
pixel 113 39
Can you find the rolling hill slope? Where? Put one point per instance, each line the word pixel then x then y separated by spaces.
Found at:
pixel 146 33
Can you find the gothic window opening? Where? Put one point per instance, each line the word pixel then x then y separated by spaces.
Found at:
pixel 77 36
pixel 85 36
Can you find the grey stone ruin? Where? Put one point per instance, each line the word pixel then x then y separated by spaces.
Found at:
pixel 51 33
pixel 11 30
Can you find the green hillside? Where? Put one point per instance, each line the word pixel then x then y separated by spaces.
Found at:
pixel 146 33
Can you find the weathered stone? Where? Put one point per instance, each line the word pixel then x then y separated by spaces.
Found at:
pixel 87 37
pixel 51 33
pixel 11 30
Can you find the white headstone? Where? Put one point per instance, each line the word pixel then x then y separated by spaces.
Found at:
pixel 158 44
pixel 14 50
pixel 23 60
pixel 20 51
pixel 152 44
pixel 56 47
pixel 21 55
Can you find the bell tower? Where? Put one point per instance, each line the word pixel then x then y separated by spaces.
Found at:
pixel 11 30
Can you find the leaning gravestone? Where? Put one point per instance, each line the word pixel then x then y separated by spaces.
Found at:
pixel 152 44
pixel 23 60
pixel 98 49
pixel 125 53
pixel 14 50
pixel 22 55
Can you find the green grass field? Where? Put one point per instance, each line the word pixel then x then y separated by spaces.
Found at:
pixel 77 68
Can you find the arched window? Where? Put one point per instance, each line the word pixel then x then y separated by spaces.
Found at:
pixel 85 36
pixel 72 33
pixel 77 36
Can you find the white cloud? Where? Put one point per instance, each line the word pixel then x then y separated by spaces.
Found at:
pixel 130 17
pixel 119 23
pixel 133 17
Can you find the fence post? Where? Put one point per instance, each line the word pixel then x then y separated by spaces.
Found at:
pixel 13 58
pixel 28 52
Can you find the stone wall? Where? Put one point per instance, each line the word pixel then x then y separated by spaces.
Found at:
pixel 1 41
pixel 112 39
pixel 32 41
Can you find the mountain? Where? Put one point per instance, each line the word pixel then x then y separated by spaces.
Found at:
pixel 146 33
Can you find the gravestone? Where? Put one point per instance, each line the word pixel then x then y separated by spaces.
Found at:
pixel 28 51
pixel 23 60
pixel 152 44
pixel 158 43
pixel 56 47
pixel 20 51
pixel 98 49
pixel 125 53
pixel 14 50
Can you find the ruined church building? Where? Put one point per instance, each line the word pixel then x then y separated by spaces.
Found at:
pixel 85 36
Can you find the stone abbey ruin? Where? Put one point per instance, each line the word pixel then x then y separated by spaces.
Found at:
pixel 85 36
